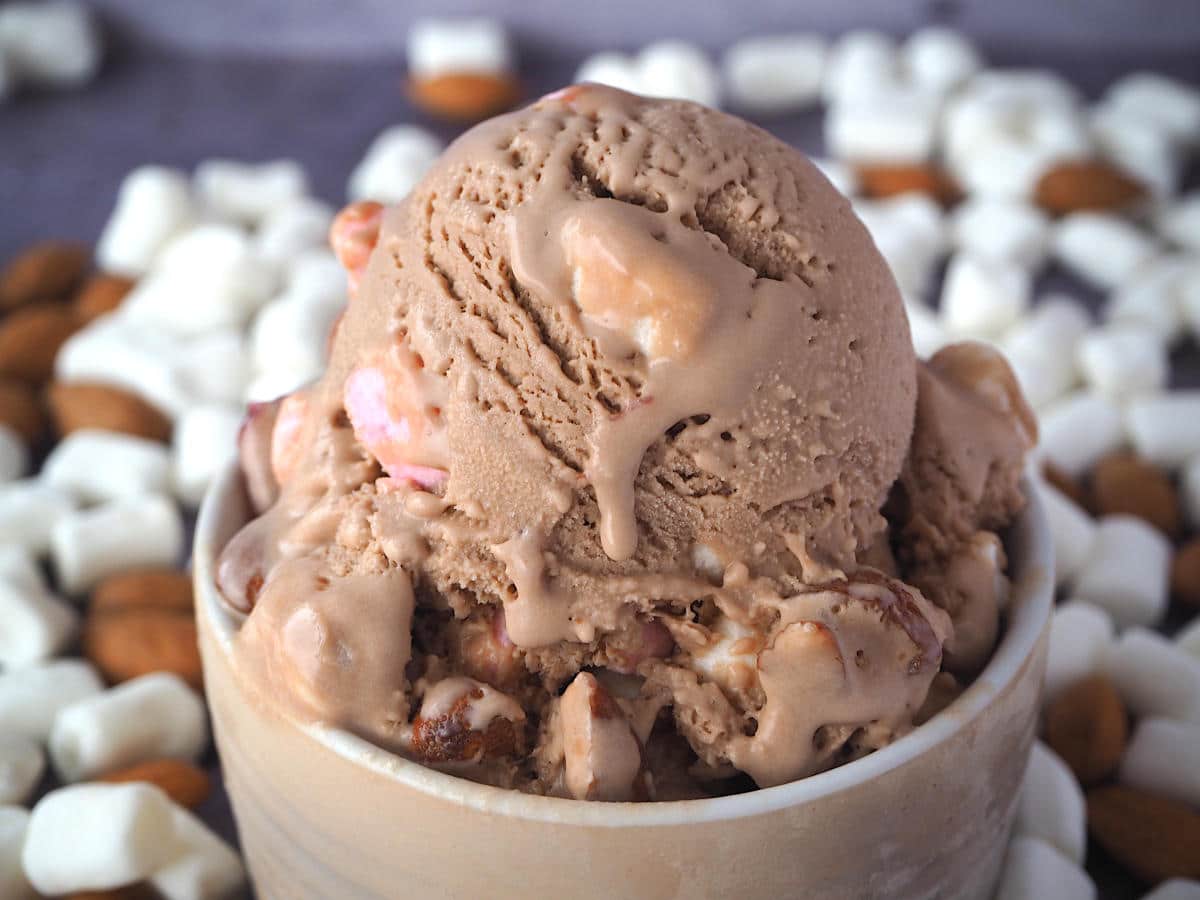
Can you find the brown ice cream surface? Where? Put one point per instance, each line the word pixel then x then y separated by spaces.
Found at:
pixel 601 456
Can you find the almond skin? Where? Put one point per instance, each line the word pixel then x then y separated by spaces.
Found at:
pixel 149 588
pixel 1185 574
pixel 21 411
pixel 1154 837
pixel 1122 483
pixel 185 783
pixel 1066 484
pixel 29 341
pixel 879 181
pixel 465 96
pixel 101 294
pixel 1087 726
pixel 79 405
pixel 46 271
pixel 1089 184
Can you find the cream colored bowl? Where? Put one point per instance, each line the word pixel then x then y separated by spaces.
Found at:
pixel 327 816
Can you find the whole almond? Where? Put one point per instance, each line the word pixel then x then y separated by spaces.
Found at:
pixel 879 181
pixel 102 293
pixel 46 271
pixel 29 341
pixel 185 783
pixel 79 405
pixel 142 622
pixel 465 96
pixel 21 411
pixel 1185 573
pixel 1066 484
pixel 1089 184
pixel 1154 837
pixel 1123 483
pixel 1087 726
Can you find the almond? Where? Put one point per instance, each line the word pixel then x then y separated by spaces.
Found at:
pixel 1154 837
pixel 77 405
pixel 880 181
pixel 465 96
pixel 21 411
pixel 142 622
pixel 185 783
pixel 140 891
pixel 1185 573
pixel 1123 483
pixel 1089 184
pixel 1066 484
pixel 29 341
pixel 1087 726
pixel 101 294
pixel 46 271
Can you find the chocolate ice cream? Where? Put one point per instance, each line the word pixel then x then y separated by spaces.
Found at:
pixel 590 501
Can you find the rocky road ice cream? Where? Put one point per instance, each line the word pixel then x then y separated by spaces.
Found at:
pixel 623 482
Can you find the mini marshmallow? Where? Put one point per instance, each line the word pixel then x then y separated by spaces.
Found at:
pixel 1041 348
pixel 1033 868
pixel 860 63
pixel 1179 222
pixel 206 279
pixel 1138 144
pixel 1174 105
pixel 394 162
pixel 98 836
pixel 214 367
pixel 152 716
pixel 980 299
pixel 678 70
pixel 456 46
pixel 248 192
pixel 207 869
pixel 613 69
pixel 1072 531
pixel 50 44
pixel 126 534
pixel 775 73
pixel 1003 168
pixel 928 335
pixel 841 176
pixel 153 205
pixel 1154 676
pixel 1190 490
pixel 1164 757
pixel 28 511
pixel 1165 429
pixel 14 455
pixel 18 569
pixel 268 386
pixel 205 441
pixel 1003 230
pixel 892 125
pixel 1123 360
pixel 1188 640
pixel 937 60
pixel 21 766
pixel 94 465
pixel 1154 298
pixel 1175 889
pixel 316 276
pixel 1078 430
pixel 31 698
pixel 1127 571
pixel 1080 635
pixel 1051 804
pixel 909 231
pixel 1102 249
pixel 33 626
pixel 14 823
pixel 292 228
pixel 293 337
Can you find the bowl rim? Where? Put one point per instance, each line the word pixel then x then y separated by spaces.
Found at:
pixel 1032 573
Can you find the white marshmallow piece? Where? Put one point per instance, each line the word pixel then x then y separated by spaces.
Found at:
pixel 126 534
pixel 31 698
pixel 393 164
pixel 14 455
pixel 14 824
pixel 678 70
pixel 1103 250
pixel 1172 104
pixel 893 125
pixel 1080 635
pixel 248 192
pixel 860 63
pixel 33 626
pixel 910 232
pixel 153 205
pixel 52 44
pixel 981 299
pixel 1041 348
pixel 1164 757
pixel 214 367
pixel 1154 676
pixel 1188 640
pixel 1051 804
pixel 28 511
pixel 291 228
pixel 613 69
pixel 457 46
pixel 22 763
pixel 840 175
pixel 153 716
pixel 1127 571
pixel 1155 298
pixel 98 836
pixel 1072 530
pixel 95 466
pixel 1123 361
pixel 1179 222
pixel 1078 430
pixel 1003 230
pixel 205 440
pixel 207 869
pixel 937 60
pixel 1165 429
pixel 291 335
pixel 1033 868
pixel 1175 889
pixel 775 73
pixel 18 569
pixel 1138 144
pixel 928 335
